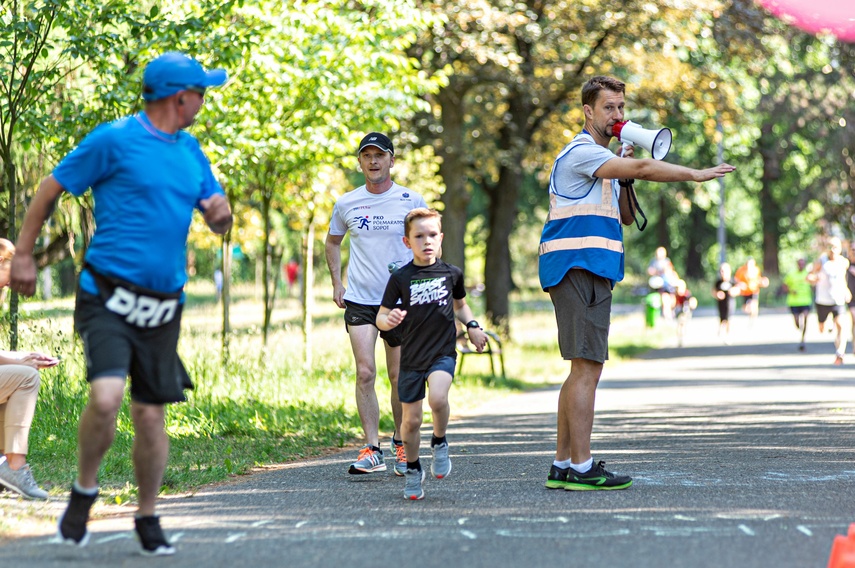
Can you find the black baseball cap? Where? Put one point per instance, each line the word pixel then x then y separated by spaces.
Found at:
pixel 376 139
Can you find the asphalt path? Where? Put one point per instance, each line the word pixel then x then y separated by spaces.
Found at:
pixel 741 455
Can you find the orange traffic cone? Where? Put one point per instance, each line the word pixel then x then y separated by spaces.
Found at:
pixel 843 550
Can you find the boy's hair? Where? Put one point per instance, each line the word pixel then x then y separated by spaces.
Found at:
pixel 7 249
pixel 421 213
pixel 591 89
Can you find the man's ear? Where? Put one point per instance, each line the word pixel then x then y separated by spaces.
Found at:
pixel 589 112
pixel 181 100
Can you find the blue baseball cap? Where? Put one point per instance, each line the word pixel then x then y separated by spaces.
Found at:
pixel 173 72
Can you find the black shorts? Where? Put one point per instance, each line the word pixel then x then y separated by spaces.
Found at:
pixel 823 311
pixel 799 310
pixel 361 314
pixel 115 348
pixel 411 384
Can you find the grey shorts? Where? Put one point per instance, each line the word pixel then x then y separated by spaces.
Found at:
pixel 583 305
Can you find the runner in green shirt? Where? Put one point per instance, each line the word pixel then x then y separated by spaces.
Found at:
pixel 799 297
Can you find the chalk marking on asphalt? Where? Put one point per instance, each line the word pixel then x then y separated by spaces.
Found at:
pixel 113 537
pixel 746 530
pixel 805 530
pixel 469 534
pixel 257 524
pixel 233 537
pixel 536 520
pixel 360 522
pixel 772 517
pixel 593 534
pixel 684 518
pixel 176 537
pixel 302 524
pixel 462 521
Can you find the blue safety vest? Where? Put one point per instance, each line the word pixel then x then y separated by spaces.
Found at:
pixel 582 232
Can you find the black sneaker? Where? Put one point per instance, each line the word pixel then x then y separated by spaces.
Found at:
pixel 151 537
pixel 557 478
pixel 72 525
pixel 596 478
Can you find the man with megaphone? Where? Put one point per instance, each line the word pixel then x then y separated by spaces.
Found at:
pixel 582 258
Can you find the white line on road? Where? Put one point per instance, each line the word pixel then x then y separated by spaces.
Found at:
pixel 805 530
pixel 257 524
pixel 746 530
pixel 469 534
pixel 176 537
pixel 233 537
pixel 113 537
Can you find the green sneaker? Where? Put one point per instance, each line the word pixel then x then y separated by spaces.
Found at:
pixel 596 478
pixel 557 478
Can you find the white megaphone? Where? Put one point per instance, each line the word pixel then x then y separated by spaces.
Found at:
pixel 657 142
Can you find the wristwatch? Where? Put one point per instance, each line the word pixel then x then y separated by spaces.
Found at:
pixel 472 324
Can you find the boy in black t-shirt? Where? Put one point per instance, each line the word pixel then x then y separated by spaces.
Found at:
pixel 431 294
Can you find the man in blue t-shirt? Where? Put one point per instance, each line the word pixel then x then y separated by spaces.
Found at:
pixel 147 176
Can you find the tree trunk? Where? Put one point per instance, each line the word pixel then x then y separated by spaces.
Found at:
pixel 497 263
pixel 452 169
pixel 226 295
pixel 11 184
pixel 307 289
pixel 265 269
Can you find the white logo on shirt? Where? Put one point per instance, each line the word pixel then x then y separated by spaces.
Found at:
pixel 427 291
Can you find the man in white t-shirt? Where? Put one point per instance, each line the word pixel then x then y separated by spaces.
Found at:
pixel 832 293
pixel 374 215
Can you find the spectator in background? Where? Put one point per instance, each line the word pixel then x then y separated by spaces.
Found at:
pixel 662 267
pixel 850 283
pixel 829 275
pixel 292 272
pixel 799 297
pixel 19 389
pixel 724 291
pixel 749 279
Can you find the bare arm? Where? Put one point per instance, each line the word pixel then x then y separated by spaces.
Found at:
pixel 332 251
pixel 388 319
pixel 476 335
pixel 23 274
pixel 656 170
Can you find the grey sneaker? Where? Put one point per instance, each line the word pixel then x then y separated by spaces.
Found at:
pixel 400 459
pixel 413 488
pixel 440 466
pixel 369 461
pixel 21 481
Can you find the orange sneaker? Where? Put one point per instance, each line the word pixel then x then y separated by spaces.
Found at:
pixel 370 460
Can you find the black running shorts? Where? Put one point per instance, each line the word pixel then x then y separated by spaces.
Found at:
pixel 115 348
pixel 411 384
pixel 361 314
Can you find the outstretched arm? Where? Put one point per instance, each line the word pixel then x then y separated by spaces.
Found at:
pixel 657 170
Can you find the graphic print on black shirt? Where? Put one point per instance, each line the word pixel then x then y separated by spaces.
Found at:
pixel 427 294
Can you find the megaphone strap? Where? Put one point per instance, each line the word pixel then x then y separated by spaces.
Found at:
pixel 633 204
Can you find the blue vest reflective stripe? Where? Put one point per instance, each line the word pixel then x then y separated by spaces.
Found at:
pixel 586 234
